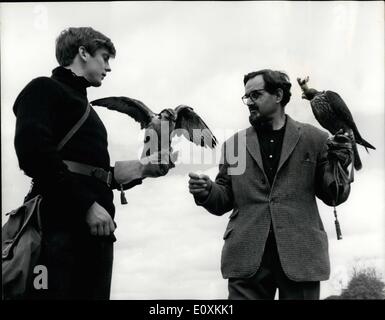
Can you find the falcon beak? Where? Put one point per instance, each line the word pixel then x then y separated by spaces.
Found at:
pixel 303 96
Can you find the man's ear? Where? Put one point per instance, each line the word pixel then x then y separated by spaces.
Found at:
pixel 83 53
pixel 279 94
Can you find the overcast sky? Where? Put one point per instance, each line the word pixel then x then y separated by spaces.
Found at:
pixel 196 53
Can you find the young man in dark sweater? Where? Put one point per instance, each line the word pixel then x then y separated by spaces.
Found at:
pixel 77 208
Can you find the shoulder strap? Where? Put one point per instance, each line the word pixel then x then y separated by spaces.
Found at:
pixel 61 144
pixel 74 128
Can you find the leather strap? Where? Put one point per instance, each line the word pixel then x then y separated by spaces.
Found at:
pixel 88 170
pixel 74 128
pixel 69 134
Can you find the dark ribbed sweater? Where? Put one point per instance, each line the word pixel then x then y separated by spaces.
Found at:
pixel 46 109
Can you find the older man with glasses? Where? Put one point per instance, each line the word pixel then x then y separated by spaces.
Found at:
pixel 275 238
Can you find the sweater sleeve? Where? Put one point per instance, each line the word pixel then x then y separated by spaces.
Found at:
pixel 115 185
pixel 36 147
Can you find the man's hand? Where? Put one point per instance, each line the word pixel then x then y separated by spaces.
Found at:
pixel 99 221
pixel 199 185
pixel 158 163
pixel 340 148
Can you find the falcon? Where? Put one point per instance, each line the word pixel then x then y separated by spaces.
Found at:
pixel 161 127
pixel 333 114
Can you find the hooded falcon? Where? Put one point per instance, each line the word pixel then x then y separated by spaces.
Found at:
pixel 333 114
pixel 161 127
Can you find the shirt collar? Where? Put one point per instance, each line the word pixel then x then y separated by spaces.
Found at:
pixel 265 129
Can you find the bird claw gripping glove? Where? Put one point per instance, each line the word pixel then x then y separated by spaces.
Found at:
pixel 340 149
pixel 158 164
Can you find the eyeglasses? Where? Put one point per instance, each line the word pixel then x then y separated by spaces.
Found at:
pixel 252 97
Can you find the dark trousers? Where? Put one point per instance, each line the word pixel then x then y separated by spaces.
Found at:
pixel 270 277
pixel 79 267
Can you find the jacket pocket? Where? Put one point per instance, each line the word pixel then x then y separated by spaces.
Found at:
pixel 308 163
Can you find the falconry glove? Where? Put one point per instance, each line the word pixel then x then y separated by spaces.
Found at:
pixel 340 149
pixel 156 165
pixel 152 166
pixel 340 156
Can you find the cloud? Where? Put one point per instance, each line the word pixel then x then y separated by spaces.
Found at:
pixel 167 247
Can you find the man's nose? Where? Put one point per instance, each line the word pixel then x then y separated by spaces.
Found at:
pixel 251 103
pixel 108 68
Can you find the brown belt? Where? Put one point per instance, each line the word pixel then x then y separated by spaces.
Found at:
pixel 88 170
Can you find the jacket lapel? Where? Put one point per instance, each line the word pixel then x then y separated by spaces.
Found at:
pixel 252 145
pixel 290 140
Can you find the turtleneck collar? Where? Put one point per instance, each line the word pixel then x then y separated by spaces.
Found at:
pixel 67 76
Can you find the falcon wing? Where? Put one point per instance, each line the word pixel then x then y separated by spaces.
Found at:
pixel 132 107
pixel 340 108
pixel 188 120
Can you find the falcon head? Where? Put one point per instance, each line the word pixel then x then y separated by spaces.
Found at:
pixel 309 94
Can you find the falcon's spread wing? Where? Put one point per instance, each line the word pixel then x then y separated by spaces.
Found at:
pixel 188 120
pixel 132 107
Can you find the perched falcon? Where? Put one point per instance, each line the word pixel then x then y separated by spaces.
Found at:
pixel 161 127
pixel 333 114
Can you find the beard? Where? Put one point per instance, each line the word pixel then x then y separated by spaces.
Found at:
pixel 260 122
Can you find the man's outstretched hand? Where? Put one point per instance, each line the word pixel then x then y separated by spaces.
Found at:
pixel 199 185
pixel 156 165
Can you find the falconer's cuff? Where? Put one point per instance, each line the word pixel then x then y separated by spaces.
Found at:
pixel 127 171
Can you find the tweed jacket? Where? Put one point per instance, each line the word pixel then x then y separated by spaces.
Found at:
pixel 289 204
